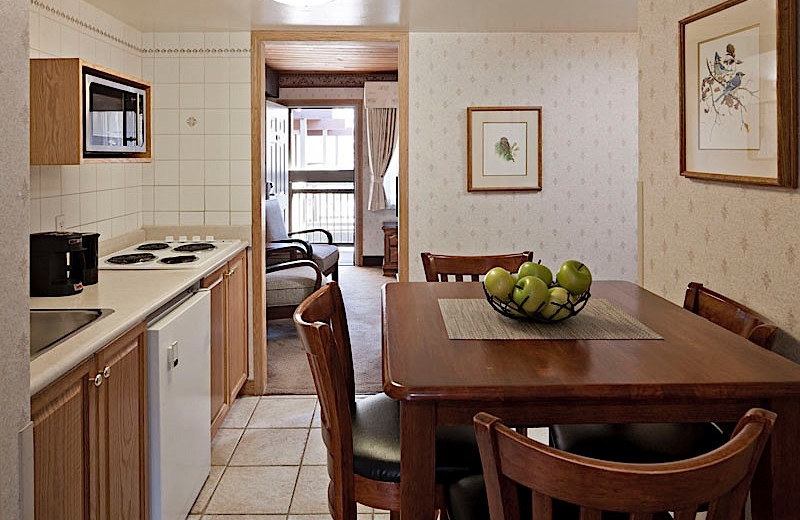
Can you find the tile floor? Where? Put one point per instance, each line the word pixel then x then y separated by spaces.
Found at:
pixel 268 462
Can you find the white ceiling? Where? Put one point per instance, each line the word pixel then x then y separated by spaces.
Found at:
pixel 406 15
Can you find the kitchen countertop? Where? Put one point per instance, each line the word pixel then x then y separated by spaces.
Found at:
pixel 133 294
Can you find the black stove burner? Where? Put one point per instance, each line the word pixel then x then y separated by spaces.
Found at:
pixel 136 258
pixel 153 246
pixel 182 259
pixel 194 246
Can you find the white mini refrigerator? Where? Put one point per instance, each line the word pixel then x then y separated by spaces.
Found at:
pixel 179 348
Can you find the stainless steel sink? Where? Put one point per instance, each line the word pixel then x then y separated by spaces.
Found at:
pixel 52 326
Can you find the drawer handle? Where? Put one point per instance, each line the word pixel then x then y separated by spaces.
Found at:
pixel 230 273
pixel 97 379
pixel 107 372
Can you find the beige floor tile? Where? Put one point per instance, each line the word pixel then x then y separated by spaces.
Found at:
pixel 317 422
pixel 540 434
pixel 193 517
pixel 240 412
pixel 282 412
pixel 361 516
pixel 316 453
pixel 208 489
pixel 270 447
pixel 223 445
pixel 243 517
pixel 380 516
pixel 311 492
pixel 254 490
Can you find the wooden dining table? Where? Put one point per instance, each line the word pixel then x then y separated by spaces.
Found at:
pixel 695 372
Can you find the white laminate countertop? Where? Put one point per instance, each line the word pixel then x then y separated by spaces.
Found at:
pixel 132 294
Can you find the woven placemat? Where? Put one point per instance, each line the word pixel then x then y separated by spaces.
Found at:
pixel 600 319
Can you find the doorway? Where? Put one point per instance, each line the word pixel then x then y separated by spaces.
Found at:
pixel 341 39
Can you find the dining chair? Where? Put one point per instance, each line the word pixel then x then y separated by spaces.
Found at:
pixel 290 282
pixel 564 485
pixel 439 268
pixel 325 255
pixel 362 436
pixel 664 442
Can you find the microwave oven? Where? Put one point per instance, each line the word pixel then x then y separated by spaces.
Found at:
pixel 114 117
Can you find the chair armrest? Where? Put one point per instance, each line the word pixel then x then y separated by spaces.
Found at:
pixel 298 263
pixel 305 249
pixel 325 232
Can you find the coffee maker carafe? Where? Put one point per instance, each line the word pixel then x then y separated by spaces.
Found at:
pixel 57 263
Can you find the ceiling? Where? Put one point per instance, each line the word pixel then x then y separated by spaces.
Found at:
pixel 310 56
pixel 404 15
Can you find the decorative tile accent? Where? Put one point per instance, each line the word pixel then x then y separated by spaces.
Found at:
pixel 289 80
pixel 39 4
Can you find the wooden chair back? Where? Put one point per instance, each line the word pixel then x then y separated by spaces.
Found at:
pixel 720 478
pixel 321 324
pixel 438 268
pixel 730 314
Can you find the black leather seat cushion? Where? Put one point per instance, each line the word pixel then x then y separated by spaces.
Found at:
pixel 467 501
pixel 376 444
pixel 638 443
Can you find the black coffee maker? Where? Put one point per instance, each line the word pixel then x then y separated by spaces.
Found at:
pixel 59 262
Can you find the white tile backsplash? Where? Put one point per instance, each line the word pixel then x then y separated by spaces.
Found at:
pixel 192 75
pixel 240 147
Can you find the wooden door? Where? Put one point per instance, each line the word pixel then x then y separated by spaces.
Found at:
pixel 276 171
pixel 219 365
pixel 122 414
pixel 236 288
pixel 64 429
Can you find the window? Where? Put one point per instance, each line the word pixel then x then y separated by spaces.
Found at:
pixel 323 138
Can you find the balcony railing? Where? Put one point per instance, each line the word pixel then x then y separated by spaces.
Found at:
pixel 323 204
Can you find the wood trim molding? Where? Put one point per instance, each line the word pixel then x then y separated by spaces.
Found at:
pixel 257 112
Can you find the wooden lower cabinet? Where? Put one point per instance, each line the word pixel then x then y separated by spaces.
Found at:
pixel 90 437
pixel 229 360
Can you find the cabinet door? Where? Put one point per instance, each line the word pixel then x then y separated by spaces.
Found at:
pixel 219 368
pixel 122 412
pixel 64 428
pixel 236 289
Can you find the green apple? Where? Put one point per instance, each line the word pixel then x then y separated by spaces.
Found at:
pixel 530 293
pixel 538 270
pixel 574 276
pixel 557 307
pixel 499 283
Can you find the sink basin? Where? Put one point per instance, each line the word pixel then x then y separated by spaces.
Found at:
pixel 52 326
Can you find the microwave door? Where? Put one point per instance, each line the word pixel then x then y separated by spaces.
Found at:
pixel 105 114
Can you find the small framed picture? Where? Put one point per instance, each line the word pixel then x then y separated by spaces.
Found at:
pixel 504 148
pixel 738 113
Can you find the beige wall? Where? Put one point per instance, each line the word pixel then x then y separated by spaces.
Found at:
pixel 14 204
pixel 586 85
pixel 742 241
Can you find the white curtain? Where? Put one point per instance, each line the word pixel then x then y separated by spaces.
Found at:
pixel 381 139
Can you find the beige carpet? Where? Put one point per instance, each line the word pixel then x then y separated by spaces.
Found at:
pixel 287 367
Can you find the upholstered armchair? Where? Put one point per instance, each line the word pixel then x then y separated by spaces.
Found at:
pixel 289 282
pixel 325 255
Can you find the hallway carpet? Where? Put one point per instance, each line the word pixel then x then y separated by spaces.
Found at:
pixel 287 367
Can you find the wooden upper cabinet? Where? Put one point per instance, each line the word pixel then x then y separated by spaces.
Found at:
pixel 57 101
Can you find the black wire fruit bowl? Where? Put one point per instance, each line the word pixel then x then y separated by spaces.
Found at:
pixel 553 312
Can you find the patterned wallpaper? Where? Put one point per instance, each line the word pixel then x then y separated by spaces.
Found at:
pixel 741 241
pixel 586 85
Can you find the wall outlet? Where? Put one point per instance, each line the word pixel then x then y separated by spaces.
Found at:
pixel 59 222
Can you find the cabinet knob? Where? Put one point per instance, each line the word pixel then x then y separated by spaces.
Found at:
pixel 107 372
pixel 97 379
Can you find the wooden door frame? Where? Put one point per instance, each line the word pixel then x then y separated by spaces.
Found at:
pixel 358 186
pixel 257 112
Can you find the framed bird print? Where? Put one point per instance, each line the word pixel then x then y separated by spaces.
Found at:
pixel 738 73
pixel 504 148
